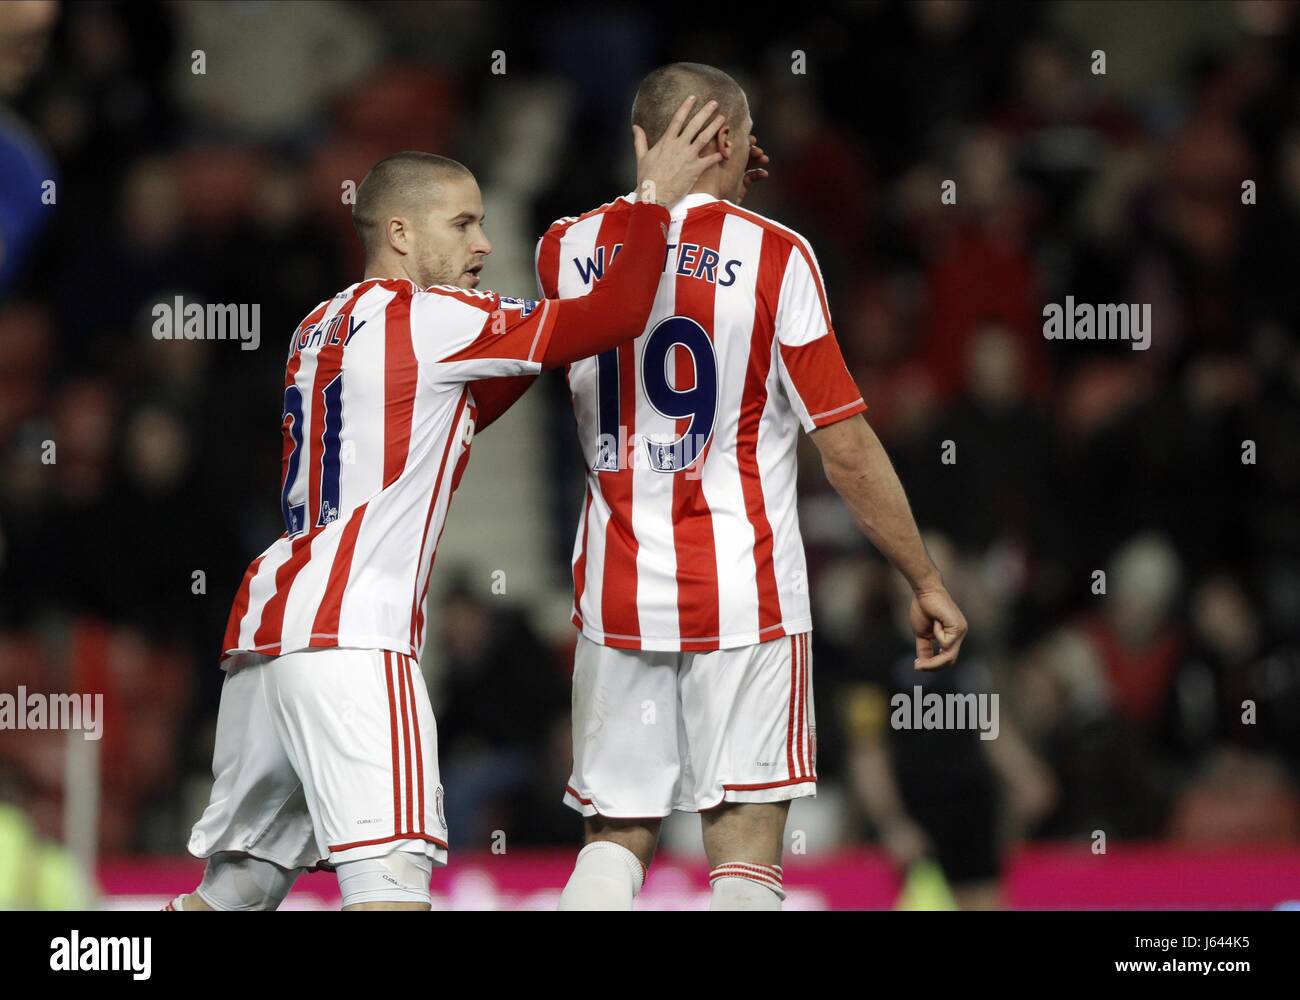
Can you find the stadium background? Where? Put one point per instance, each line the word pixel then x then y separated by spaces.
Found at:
pixel 1120 712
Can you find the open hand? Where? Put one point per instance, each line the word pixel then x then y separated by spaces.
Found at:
pixel 666 171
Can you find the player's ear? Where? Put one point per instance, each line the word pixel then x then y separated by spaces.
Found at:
pixel 397 235
pixel 724 142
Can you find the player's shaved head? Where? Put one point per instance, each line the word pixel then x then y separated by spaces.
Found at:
pixel 662 92
pixel 399 185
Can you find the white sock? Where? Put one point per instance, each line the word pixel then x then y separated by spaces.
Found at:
pixel 606 876
pixel 744 885
pixel 177 903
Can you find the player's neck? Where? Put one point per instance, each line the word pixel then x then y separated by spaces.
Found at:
pixel 710 185
pixel 387 270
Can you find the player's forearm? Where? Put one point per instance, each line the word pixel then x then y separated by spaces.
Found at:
pixel 619 305
pixel 859 469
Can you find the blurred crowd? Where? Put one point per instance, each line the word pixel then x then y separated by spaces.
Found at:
pixel 1121 527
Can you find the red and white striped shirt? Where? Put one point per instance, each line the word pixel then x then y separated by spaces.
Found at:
pixel 689 537
pixel 377 426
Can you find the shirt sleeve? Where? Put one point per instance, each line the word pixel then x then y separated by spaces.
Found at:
pixel 546 260
pixel 462 335
pixel 812 369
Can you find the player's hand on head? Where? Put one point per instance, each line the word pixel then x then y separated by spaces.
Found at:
pixel 666 171
pixel 755 170
pixel 936 619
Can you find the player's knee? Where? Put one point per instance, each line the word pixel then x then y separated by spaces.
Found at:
pixel 396 877
pixel 241 882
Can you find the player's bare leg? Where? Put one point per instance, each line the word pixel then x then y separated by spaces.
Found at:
pixel 743 843
pixel 611 867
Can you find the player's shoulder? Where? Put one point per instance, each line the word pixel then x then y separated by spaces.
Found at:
pixel 367 290
pixel 486 300
pixel 780 232
pixel 560 226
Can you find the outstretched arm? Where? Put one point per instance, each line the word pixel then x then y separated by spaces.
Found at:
pixel 858 467
pixel 618 307
pixel 616 310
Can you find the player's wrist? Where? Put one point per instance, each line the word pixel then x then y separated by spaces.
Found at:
pixel 928 581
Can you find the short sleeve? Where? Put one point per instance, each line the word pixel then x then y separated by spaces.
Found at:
pixel 812 369
pixel 461 335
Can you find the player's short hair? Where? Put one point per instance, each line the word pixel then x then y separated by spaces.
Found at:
pixel 395 185
pixel 661 93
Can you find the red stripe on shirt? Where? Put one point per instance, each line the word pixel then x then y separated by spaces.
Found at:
pixel 325 628
pixel 239 608
pixel 461 464
pixel 618 611
pixel 792 241
pixel 401 373
pixel 416 593
pixel 697 565
pixel 771 266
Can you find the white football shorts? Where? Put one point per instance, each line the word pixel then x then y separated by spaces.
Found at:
pixel 656 731
pixel 324 756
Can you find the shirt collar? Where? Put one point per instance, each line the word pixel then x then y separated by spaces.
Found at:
pixel 685 204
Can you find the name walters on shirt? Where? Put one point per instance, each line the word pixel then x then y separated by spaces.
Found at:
pixel 691 260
